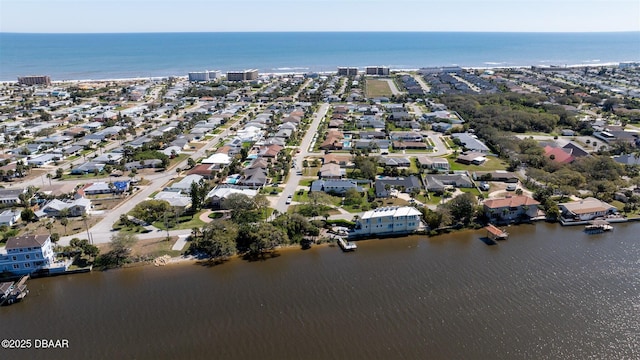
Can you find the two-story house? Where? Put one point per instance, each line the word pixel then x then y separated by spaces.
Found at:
pixel 26 254
pixel 388 221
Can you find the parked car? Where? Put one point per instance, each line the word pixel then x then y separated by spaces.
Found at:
pixel 289 198
pixel 484 186
pixel 512 187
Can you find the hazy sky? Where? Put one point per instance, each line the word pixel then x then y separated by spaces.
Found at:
pixel 318 15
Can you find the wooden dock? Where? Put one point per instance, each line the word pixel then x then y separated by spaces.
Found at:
pixel 11 292
pixel 495 233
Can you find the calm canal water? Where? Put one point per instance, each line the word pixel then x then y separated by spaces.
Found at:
pixel 546 293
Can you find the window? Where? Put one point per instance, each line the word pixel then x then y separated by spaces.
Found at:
pixel 16 266
pixel 27 265
pixel 14 258
pixel 27 257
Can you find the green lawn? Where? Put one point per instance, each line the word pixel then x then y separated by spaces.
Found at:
pixel 378 88
pixel 184 222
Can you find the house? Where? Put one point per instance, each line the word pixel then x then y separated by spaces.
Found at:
pixel 586 209
pixel 175 199
pixel 510 208
pixel 388 221
pixel 407 184
pixel 11 196
pixel 628 159
pixel 55 207
pixel 254 177
pixel 143 164
pixel 394 162
pixel 217 160
pixel 9 217
pixel 433 163
pixel 270 151
pixel 333 141
pixel 471 143
pixel 402 145
pixel 338 187
pixel 471 158
pixel 439 183
pixel 498 175
pixel 410 136
pixel 43 159
pixel 26 254
pixel 184 185
pixel 558 155
pixel 102 187
pixel 86 168
pixel 340 159
pixel 331 171
pixel 218 194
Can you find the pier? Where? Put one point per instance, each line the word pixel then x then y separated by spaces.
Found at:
pixel 495 233
pixel 11 292
pixel 346 245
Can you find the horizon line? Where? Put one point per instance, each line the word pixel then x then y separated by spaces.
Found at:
pixel 323 32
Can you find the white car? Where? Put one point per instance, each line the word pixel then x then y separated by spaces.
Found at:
pixel 289 198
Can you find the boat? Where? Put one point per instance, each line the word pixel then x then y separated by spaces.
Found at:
pixel 346 245
pixel 11 292
pixel 598 226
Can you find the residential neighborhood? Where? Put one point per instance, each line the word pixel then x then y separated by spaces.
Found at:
pixel 391 154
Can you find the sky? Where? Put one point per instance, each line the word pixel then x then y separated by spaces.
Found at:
pixel 112 16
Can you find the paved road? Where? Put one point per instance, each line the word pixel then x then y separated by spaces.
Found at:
pixel 294 178
pixel 393 87
pixel 101 232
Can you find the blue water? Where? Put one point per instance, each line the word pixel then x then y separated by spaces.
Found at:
pixel 101 56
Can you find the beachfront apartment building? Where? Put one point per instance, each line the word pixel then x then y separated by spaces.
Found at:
pixel 34 80
pixel 26 254
pixel 390 220
pixel 347 71
pixel 377 70
pixel 245 75
pixel 198 76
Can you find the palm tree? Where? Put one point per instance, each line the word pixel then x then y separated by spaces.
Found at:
pixel 49 176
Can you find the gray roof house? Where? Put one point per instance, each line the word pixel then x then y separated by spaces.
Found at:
pixel 438 183
pixel 335 186
pixel 405 184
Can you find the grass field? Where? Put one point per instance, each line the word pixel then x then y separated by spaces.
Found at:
pixel 378 88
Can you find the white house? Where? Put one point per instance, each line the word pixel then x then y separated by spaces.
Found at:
pixel 388 221
pixel 184 185
pixel 26 254
pixel 586 209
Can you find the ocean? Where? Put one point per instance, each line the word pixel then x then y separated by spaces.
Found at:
pixel 106 56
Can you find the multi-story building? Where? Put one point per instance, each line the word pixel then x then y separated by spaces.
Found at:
pixel 377 70
pixel 26 254
pixel 347 71
pixel 246 75
pixel 388 221
pixel 199 76
pixel 204 76
pixel 34 80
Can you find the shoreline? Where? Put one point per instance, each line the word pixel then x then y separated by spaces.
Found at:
pixel 496 66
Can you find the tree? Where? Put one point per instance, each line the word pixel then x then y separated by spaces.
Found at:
pixel 260 238
pixel 198 193
pixel 352 197
pixel 27 215
pixel 217 240
pixel 191 163
pixel 59 173
pixel 120 252
pixel 150 210
pixel 64 222
pixel 243 208
pixel 462 207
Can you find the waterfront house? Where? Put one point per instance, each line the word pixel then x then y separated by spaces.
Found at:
pixel 26 254
pixel 586 209
pixel 510 208
pixel 393 220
